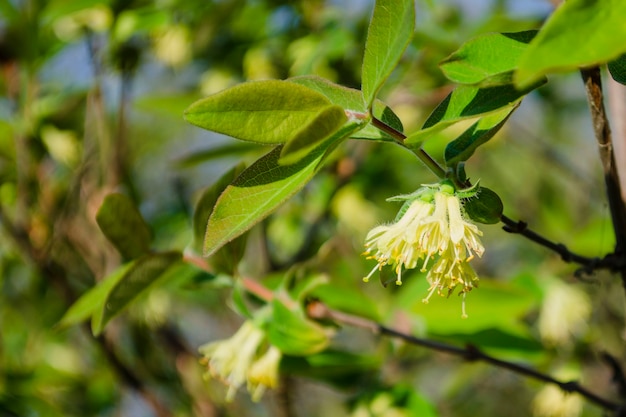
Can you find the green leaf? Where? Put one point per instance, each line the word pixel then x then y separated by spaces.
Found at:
pixel 493 338
pixel 205 204
pixel 227 258
pixel 260 189
pixel 123 225
pixel 92 300
pixel 493 304
pixel 486 207
pixel 347 300
pixel 352 101
pixel 617 68
pixel 239 300
pixel 389 33
pixel 267 112
pixel 338 368
pixel 294 334
pixel 138 278
pixel 486 56
pixel 463 147
pixel 467 101
pixel 329 121
pixel 579 33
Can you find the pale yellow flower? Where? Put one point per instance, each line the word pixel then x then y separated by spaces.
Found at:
pixel 236 362
pixel 264 373
pixel 396 244
pixel 564 314
pixel 447 273
pixel 551 401
pixel 433 229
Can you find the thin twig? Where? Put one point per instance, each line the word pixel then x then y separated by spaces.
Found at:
pixel 399 137
pixel 588 264
pixel 319 311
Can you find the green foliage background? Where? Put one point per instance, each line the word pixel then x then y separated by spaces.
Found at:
pixel 93 94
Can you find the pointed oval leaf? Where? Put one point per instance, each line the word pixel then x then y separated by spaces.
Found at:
pixel 267 112
pixel 463 147
pixel 141 276
pixel 123 225
pixel 352 100
pixel 579 33
pixel 294 334
pixel 329 121
pixel 389 33
pixel 260 189
pixel 617 68
pixel 486 56
pixel 467 101
pixel 486 207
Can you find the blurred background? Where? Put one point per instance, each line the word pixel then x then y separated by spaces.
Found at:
pixel 91 101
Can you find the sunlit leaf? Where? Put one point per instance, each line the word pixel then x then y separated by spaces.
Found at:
pixel 138 278
pixel 123 225
pixel 486 56
pixel 389 33
pixel 329 121
pixel 267 112
pixel 259 190
pixel 579 33
pixel 352 100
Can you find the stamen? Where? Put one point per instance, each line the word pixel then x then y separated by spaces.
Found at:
pixel 433 287
pixel 463 313
pixel 367 278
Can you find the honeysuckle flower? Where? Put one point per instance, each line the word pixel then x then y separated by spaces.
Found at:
pixel 393 244
pixel 564 313
pixel 433 229
pixel 235 361
pixel 447 273
pixel 264 373
pixel 551 401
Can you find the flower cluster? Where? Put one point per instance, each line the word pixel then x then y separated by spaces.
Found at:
pixel 431 231
pixel 244 358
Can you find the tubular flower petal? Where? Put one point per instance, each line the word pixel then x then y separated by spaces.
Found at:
pixel 430 231
pixel 264 373
pixel 235 361
pixel 396 244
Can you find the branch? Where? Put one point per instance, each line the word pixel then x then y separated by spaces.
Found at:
pixel 319 311
pixel 611 262
pixel 593 87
